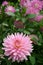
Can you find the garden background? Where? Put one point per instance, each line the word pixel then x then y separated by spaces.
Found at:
pixel 36 57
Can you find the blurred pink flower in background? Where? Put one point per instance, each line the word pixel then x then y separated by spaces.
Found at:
pixel 17 46
pixel 31 10
pixel 22 2
pixel 36 4
pixel 10 9
pixel 4 3
pixel 42 4
pixel 39 17
pixel 32 7
pixel 25 3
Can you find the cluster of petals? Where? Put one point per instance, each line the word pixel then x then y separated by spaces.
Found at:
pixel 25 3
pixel 17 46
pixel 38 17
pixel 4 3
pixel 32 6
pixel 10 9
pixel 36 4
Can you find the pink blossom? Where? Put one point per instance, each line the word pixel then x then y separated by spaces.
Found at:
pixel 42 4
pixel 32 7
pixel 39 17
pixel 17 46
pixel 31 10
pixel 29 7
pixel 36 4
pixel 22 2
pixel 10 9
pixel 25 3
pixel 4 3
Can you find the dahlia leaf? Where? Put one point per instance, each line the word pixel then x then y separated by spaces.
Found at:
pixel 8 62
pixel 26 32
pixel 31 15
pixel 41 23
pixel 10 13
pixel 1 51
pixel 32 60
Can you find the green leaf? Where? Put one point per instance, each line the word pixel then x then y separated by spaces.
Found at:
pixel 32 60
pixel 23 10
pixel 23 20
pixel 27 62
pixel 5 24
pixel 26 32
pixel 40 38
pixel 41 23
pixel 8 61
pixel 18 0
pixel 41 12
pixel 10 13
pixel 17 10
pixel 31 15
pixel 1 51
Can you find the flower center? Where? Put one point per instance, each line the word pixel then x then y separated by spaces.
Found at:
pixel 36 5
pixel 17 44
pixel 9 10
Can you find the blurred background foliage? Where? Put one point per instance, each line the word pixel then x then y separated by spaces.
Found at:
pixel 37 55
pixel 9 0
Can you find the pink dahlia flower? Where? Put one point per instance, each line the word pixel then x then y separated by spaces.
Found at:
pixel 29 6
pixel 25 3
pixel 4 3
pixel 17 47
pixel 31 10
pixel 36 4
pixel 10 9
pixel 22 2
pixel 42 4
pixel 39 17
